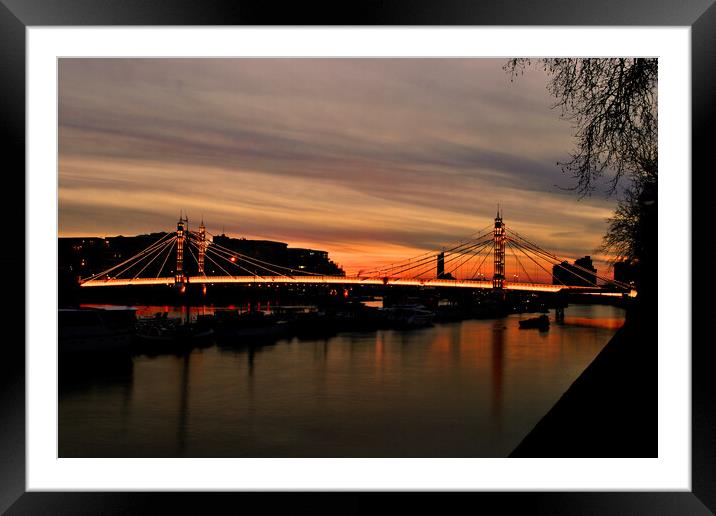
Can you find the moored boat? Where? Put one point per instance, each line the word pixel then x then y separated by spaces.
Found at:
pixel 541 323
pixel 408 316
pixel 169 334
pixel 253 327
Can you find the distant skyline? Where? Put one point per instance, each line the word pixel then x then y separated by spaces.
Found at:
pixel 373 160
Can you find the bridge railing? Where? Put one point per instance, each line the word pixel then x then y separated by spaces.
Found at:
pixel 350 280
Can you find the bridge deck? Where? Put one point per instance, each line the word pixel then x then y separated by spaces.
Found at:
pixel 340 280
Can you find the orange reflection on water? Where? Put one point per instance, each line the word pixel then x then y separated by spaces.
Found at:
pixel 465 389
pixel 498 345
pixel 151 310
pixel 606 323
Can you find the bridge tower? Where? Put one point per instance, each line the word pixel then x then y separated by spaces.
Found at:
pixel 202 246
pixel 181 235
pixel 498 277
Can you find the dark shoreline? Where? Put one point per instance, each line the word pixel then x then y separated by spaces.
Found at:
pixel 611 408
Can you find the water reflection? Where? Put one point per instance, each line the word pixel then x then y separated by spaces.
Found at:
pixel 183 405
pixel 498 342
pixel 457 389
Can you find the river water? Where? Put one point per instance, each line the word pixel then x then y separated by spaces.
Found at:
pixel 466 389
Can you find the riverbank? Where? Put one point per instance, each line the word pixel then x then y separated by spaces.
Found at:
pixel 611 409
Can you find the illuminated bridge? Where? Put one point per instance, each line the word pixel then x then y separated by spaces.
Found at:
pixel 459 265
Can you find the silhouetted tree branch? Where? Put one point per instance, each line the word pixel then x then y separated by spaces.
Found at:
pixel 622 235
pixel 612 104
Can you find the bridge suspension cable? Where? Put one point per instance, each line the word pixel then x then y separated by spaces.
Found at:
pixel 151 255
pixel 272 272
pixel 135 259
pixel 463 256
pixel 558 261
pixel 155 255
pixel 430 260
pixel 425 259
pixel 512 250
pixel 222 268
pixel 257 262
pixel 477 269
pixel 519 246
pixel 169 252
pixel 430 255
pixel 208 255
pixel 454 265
pixel 530 252
pixel 469 255
pixel 191 253
pixel 238 260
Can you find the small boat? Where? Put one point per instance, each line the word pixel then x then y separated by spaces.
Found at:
pixel 541 323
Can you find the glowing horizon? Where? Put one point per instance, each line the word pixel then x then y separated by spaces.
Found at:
pixel 372 160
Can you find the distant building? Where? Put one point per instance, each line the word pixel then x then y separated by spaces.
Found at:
pixel 441 274
pixel 313 260
pixel 575 274
pixel 278 253
pixel 625 272
pixel 85 256
pixel 266 250
pixel 80 257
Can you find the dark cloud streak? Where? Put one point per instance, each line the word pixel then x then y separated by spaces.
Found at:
pixel 431 144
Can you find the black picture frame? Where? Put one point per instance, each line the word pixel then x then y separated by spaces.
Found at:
pixel 17 15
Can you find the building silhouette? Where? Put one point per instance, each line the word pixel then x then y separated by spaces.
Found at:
pixel 279 253
pixel 625 271
pixel 440 273
pixel 581 273
pixel 82 257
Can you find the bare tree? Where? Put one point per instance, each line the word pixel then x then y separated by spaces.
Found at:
pixel 612 104
pixel 622 234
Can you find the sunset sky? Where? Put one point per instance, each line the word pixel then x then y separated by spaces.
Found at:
pixel 372 160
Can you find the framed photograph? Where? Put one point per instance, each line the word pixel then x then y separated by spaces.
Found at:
pixel 427 252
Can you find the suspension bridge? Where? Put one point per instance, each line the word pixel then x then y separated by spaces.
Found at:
pixel 459 265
